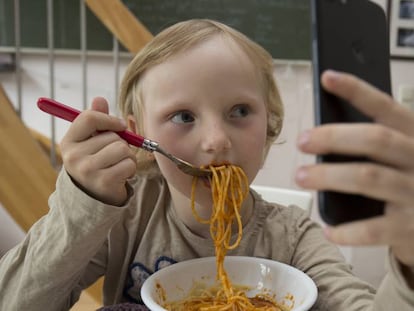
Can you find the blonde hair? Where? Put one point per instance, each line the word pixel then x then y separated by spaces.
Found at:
pixel 183 36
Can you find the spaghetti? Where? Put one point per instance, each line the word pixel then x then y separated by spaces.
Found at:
pixel 229 188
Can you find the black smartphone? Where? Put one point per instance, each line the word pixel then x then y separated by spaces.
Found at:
pixel 349 36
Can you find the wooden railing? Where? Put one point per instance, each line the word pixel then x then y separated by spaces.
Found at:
pixel 27 177
pixel 121 23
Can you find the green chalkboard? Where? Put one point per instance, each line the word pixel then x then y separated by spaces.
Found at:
pixel 281 26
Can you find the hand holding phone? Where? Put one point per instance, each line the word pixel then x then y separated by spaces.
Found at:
pixel 349 36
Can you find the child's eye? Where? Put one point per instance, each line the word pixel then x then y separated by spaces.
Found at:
pixel 240 111
pixel 182 117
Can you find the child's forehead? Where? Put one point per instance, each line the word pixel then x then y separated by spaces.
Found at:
pixel 213 56
pixel 217 59
pixel 215 47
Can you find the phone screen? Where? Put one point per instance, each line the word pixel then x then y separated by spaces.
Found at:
pixel 349 36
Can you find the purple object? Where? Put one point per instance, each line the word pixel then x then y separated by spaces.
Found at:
pixel 124 307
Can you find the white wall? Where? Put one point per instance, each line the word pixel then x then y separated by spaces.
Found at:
pixel 295 84
pixel 10 232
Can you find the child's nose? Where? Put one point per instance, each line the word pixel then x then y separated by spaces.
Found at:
pixel 216 139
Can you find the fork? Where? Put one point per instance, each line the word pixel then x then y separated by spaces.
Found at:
pixel 69 114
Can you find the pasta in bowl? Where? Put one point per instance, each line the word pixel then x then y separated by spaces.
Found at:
pixel 268 284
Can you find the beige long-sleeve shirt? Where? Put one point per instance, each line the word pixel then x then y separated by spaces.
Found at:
pixel 82 239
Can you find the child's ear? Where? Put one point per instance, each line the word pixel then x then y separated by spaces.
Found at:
pixel 132 125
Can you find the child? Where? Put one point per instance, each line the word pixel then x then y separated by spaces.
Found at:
pixel 206 93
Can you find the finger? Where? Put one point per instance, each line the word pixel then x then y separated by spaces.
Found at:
pixel 99 152
pixel 91 146
pixel 109 185
pixel 89 123
pixel 395 228
pixel 369 100
pixel 112 154
pixel 100 104
pixel 363 178
pixel 122 171
pixel 378 142
pixel 115 176
pixel 365 232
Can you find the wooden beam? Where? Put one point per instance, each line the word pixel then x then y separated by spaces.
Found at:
pixel 46 145
pixel 121 22
pixel 27 177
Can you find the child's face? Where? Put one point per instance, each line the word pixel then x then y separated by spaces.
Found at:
pixel 206 106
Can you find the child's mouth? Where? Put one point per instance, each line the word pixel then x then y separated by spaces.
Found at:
pixel 207 180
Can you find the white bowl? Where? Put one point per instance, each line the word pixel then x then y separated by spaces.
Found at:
pixel 261 275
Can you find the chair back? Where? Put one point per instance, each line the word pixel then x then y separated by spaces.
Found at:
pixel 282 196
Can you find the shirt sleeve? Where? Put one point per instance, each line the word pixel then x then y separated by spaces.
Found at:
pixel 394 292
pixel 46 271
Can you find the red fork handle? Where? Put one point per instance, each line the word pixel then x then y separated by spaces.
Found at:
pixel 67 113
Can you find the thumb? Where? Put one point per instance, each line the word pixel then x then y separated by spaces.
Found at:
pixel 100 104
